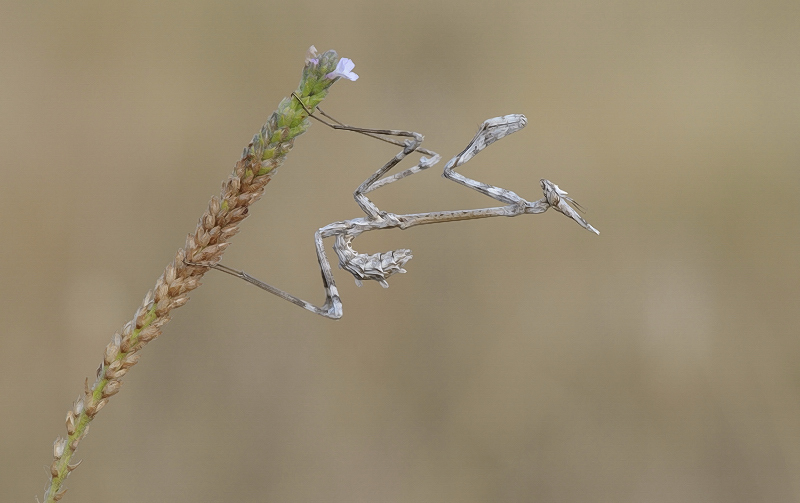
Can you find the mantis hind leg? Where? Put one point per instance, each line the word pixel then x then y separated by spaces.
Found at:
pixel 332 308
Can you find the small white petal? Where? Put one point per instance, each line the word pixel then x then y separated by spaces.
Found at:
pixel 344 68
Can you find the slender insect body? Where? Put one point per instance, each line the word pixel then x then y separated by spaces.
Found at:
pixel 380 266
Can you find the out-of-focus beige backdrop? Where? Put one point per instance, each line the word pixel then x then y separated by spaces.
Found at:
pixel 518 360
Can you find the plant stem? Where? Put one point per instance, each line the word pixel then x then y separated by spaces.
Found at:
pixel 259 162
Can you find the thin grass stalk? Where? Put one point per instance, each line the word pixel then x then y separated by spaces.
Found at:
pixel 259 162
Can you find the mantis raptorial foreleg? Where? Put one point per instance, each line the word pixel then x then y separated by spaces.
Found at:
pixel 490 131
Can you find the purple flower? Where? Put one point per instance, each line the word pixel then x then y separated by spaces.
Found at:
pixel 344 68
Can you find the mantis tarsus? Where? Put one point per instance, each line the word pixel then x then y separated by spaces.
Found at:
pixel 380 266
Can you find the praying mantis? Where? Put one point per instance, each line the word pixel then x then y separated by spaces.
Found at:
pixel 380 266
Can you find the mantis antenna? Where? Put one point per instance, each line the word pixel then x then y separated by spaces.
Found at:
pixel 380 266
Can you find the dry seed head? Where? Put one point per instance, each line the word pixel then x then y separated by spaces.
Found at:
pixel 181 282
pixel 269 164
pixel 71 467
pixel 229 231
pixel 192 283
pixel 70 422
pixel 112 388
pixel 202 256
pixel 140 316
pixel 174 290
pixel 211 253
pixel 162 291
pixel 162 300
pixel 243 199
pixel 190 246
pixel 137 346
pixel 160 322
pixel 234 184
pixel 126 345
pixel 202 237
pixel 130 360
pixel 58 447
pixel 208 221
pixel 54 468
pixel 219 248
pixel 92 411
pixel 148 334
pixel 87 399
pixel 170 273
pixel 256 196
pixel 262 184
pixel 229 201
pixel 60 494
pixel 148 298
pixel 146 305
pixel 213 205
pixel 178 302
pixel 111 372
pixel 77 406
pixel 237 214
pixel 119 373
pixel 162 307
pixel 127 329
pixel 112 350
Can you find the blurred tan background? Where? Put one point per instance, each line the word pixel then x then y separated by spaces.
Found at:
pixel 519 359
